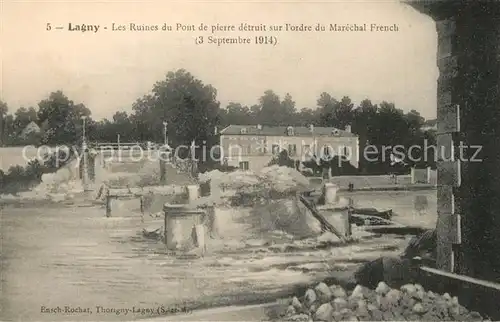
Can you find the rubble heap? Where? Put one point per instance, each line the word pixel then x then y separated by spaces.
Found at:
pixel 248 188
pixel 283 179
pixel 274 177
pixel 230 180
pixel 409 303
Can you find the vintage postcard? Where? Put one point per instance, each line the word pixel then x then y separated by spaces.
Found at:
pixel 250 160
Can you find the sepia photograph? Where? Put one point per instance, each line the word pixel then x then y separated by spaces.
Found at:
pixel 250 160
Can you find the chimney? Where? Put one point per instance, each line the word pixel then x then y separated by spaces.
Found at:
pixel 348 128
pixel 311 128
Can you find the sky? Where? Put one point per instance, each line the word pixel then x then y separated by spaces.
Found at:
pixel 109 70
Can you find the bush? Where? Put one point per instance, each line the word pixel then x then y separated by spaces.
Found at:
pixel 284 160
pixel 30 139
pixel 339 167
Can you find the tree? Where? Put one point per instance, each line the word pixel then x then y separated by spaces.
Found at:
pixel 415 121
pixel 307 116
pixel 8 129
pixel 364 119
pixel 122 124
pixel 432 122
pixel 328 110
pixel 283 160
pixel 255 113
pixel 23 117
pixel 270 109
pixel 3 108
pixel 188 105
pixel 391 126
pixel 63 119
pixel 143 117
pixel 344 112
pixel 3 113
pixel 107 130
pixel 288 111
pixel 364 123
pixel 235 113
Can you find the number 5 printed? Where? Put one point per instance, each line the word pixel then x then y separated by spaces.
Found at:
pixel 49 27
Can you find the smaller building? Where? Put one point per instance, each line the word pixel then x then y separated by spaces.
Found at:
pixel 31 128
pixel 427 128
pixel 429 125
pixel 252 147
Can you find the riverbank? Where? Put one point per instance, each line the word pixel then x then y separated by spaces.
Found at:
pixel 393 187
pixel 270 307
pixel 383 183
pixel 250 307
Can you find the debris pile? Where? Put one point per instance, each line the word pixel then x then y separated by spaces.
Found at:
pixel 237 180
pixel 58 186
pixel 147 175
pixel 247 188
pixel 273 194
pixel 409 303
pixel 287 215
pixel 278 178
pixel 283 179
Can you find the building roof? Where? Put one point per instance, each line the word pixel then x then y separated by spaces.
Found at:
pixel 429 127
pixel 30 128
pixel 282 131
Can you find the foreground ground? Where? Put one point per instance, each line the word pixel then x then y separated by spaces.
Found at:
pixel 74 256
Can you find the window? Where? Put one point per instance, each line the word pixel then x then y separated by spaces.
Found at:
pixel 275 149
pixel 289 131
pixel 292 149
pixel 260 146
pixel 326 151
pixel 249 149
pixel 244 165
pixel 235 150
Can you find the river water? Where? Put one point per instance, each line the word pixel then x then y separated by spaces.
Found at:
pixel 68 256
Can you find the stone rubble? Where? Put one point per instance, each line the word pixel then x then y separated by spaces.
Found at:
pixel 410 303
pixel 256 185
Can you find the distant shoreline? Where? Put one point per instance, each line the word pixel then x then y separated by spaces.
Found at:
pixel 395 187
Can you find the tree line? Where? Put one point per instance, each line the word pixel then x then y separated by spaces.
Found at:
pixel 193 112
